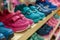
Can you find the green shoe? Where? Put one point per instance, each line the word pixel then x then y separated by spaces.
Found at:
pixel 35 36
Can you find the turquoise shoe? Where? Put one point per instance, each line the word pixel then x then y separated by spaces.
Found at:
pixel 2 37
pixel 46 3
pixel 29 13
pixel 34 9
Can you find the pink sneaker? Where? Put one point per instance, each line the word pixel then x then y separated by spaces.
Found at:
pixel 52 22
pixel 16 21
pixel 55 2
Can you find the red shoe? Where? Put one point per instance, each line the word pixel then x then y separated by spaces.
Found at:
pixel 16 21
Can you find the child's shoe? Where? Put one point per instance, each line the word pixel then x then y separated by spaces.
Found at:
pixel 52 22
pixel 47 3
pixel 44 10
pixel 34 9
pixel 16 21
pixel 44 30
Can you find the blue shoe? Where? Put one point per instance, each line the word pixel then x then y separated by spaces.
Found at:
pixel 50 5
pixel 2 37
pixel 34 9
pixel 29 13
pixel 42 9
pixel 8 33
pixel 44 30
pixel 47 3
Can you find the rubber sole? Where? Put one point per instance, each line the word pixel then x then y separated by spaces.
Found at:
pixel 29 26
pixel 23 30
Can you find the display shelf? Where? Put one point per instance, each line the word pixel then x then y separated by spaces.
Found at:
pixel 48 37
pixel 26 34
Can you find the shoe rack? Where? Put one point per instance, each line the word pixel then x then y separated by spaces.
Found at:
pixel 26 34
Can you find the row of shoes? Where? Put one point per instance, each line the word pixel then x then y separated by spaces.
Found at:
pixel 24 17
pixel 30 12
pixel 44 30
pixel 5 33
